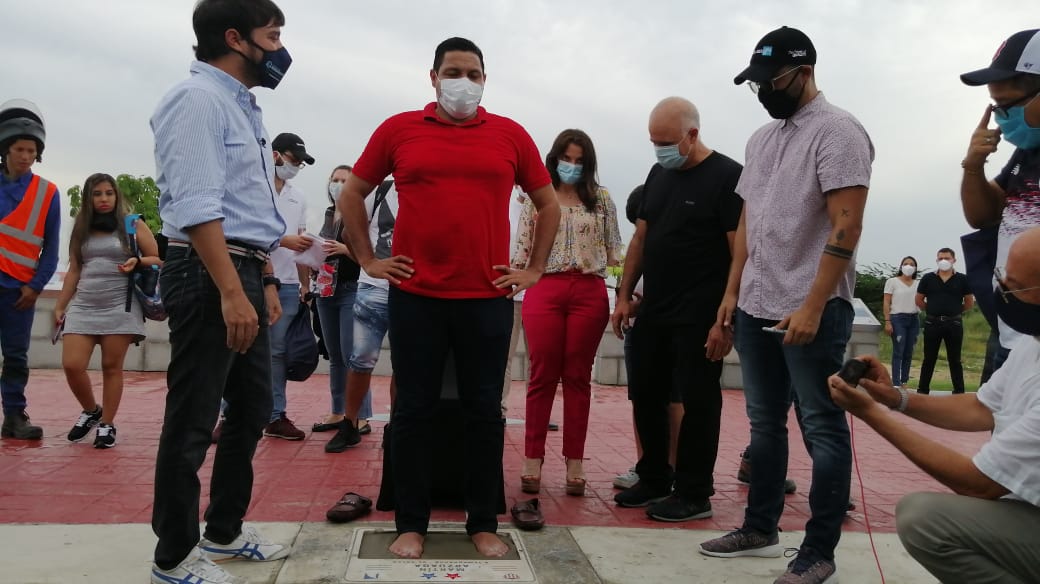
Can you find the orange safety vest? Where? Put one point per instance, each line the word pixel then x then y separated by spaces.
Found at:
pixel 21 232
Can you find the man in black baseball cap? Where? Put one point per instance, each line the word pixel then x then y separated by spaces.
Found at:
pixel 789 298
pixel 1010 200
pixel 292 144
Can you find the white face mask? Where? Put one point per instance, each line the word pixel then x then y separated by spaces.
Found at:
pixel 944 265
pixel 908 270
pixel 335 188
pixel 286 171
pixel 460 97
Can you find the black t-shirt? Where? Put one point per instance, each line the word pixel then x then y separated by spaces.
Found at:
pixel 944 298
pixel 686 252
pixel 347 270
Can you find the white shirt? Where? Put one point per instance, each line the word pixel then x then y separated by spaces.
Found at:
pixel 380 232
pixel 1012 456
pixel 902 296
pixel 293 208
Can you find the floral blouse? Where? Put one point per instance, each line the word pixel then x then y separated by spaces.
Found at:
pixel 587 241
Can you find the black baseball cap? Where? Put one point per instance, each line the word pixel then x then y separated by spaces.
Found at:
pixel 1020 53
pixel 292 144
pixel 783 46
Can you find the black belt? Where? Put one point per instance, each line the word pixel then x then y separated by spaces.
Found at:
pixel 234 248
pixel 943 317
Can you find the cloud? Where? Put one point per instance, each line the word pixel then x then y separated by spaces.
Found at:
pixel 98 70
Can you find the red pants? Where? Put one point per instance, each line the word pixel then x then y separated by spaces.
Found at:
pixel 564 318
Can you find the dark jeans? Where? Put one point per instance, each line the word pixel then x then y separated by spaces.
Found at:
pixel 774 374
pixel 15 331
pixel 905 328
pixel 422 332
pixel 996 354
pixel 666 357
pixel 950 331
pixel 203 369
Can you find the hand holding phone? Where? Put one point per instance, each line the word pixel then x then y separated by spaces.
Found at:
pixel 852 371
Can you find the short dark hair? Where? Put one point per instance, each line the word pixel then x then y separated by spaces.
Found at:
pixel 456 44
pixel 947 250
pixel 212 18
pixel 635 201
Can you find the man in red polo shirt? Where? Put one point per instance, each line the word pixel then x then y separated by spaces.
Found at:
pixel 454 166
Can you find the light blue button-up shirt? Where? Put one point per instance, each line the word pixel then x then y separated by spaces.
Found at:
pixel 213 160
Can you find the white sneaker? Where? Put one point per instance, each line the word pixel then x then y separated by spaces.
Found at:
pixel 626 480
pixel 249 545
pixel 195 569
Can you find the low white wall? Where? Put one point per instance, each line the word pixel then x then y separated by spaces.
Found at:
pixel 153 354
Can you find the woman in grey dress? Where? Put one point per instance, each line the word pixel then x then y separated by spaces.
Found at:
pixel 92 304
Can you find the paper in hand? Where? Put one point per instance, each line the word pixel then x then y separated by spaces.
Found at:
pixel 315 254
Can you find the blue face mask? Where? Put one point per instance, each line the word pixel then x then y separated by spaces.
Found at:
pixel 569 173
pixel 670 157
pixel 271 67
pixel 1014 129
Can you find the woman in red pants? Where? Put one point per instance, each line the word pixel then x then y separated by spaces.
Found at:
pixel 564 315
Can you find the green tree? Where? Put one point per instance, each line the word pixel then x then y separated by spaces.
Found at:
pixel 870 286
pixel 140 192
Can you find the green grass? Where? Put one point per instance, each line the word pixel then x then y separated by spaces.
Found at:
pixel 973 353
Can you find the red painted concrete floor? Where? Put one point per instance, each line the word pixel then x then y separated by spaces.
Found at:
pixel 55 481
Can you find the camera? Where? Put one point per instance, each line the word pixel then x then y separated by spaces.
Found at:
pixel 852 371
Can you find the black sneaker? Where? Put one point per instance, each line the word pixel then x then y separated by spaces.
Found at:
pixel 106 436
pixel 676 509
pixel 86 421
pixel 346 437
pixel 640 496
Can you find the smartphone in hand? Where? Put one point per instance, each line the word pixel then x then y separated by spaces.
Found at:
pixel 58 328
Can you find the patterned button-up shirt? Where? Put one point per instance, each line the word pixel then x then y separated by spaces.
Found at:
pixel 791 165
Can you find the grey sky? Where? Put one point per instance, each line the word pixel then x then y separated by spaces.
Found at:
pixel 97 70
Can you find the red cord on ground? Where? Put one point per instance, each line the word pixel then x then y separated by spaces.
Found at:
pixel 863 498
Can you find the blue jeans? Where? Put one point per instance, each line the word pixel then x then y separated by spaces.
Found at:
pixel 371 319
pixel 15 331
pixel 337 328
pixel 905 327
pixel 289 296
pixel 773 374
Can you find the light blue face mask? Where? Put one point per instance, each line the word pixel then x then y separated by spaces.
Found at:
pixel 569 173
pixel 1015 129
pixel 670 157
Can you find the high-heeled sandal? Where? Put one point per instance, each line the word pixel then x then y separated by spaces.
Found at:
pixel 532 484
pixel 575 485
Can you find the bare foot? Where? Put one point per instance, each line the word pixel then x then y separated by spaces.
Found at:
pixel 408 545
pixel 489 545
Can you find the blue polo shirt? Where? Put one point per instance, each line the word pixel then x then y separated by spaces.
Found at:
pixel 11 194
pixel 213 160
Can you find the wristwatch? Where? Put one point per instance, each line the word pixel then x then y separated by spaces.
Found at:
pixel 269 280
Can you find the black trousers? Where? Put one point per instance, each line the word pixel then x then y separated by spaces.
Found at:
pixel 422 332
pixel 665 360
pixel 936 331
pixel 202 370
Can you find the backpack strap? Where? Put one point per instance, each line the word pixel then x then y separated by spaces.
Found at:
pixel 381 193
pixel 130 224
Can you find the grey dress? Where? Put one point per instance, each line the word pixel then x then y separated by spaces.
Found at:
pixel 99 304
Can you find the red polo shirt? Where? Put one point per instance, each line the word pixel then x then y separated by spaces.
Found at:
pixel 453 184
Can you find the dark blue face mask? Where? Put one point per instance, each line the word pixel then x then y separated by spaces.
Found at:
pixel 1021 316
pixel 272 65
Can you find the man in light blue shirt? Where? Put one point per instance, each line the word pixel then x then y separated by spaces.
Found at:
pixel 217 203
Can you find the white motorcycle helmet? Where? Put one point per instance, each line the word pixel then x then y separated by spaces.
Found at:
pixel 21 119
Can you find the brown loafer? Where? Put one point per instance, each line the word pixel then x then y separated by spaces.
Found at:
pixel 527 515
pixel 348 508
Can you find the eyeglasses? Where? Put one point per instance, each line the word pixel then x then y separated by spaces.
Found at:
pixel 768 86
pixel 1002 110
pixel 1000 275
